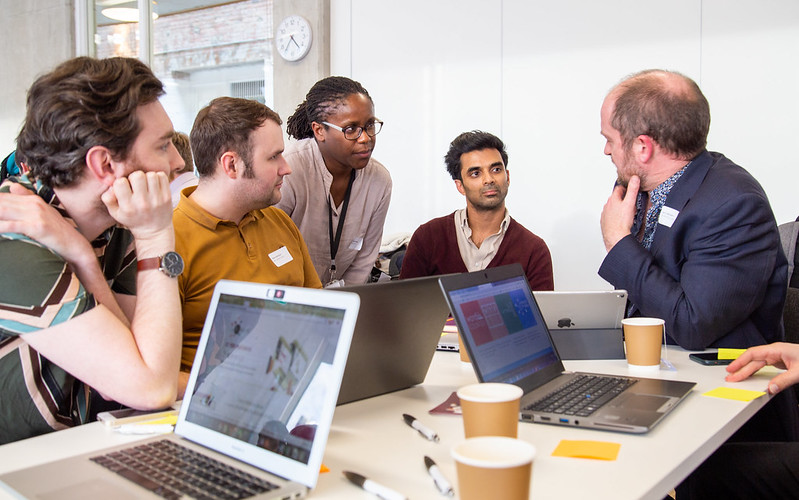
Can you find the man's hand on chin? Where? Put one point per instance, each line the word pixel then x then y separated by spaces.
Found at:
pixel 619 212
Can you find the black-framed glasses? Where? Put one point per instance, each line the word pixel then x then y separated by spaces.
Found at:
pixel 352 133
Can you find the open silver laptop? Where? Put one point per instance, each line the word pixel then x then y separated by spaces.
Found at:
pixel 257 413
pixel 585 324
pixel 399 324
pixel 508 341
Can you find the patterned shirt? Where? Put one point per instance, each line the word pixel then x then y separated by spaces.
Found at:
pixel 658 198
pixel 39 289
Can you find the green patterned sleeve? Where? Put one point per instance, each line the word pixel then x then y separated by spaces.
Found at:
pixel 38 288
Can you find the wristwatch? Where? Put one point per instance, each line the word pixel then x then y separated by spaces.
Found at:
pixel 171 264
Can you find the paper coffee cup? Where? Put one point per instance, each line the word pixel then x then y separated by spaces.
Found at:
pixel 494 467
pixel 490 409
pixel 462 350
pixel 643 338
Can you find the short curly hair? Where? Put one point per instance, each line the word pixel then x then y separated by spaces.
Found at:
pixel 476 140
pixel 84 102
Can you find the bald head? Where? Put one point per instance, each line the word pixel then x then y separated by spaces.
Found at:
pixel 664 105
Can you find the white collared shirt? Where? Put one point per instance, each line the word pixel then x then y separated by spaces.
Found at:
pixel 473 257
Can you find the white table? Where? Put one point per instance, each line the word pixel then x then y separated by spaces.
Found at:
pixel 371 438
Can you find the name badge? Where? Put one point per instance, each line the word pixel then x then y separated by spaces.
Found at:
pixel 667 216
pixel 356 244
pixel 281 256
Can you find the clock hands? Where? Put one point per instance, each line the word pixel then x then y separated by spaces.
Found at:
pixel 290 34
pixel 293 30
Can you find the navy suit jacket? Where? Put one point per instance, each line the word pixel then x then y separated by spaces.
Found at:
pixel 718 275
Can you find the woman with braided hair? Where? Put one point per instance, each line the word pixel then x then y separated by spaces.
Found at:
pixel 337 194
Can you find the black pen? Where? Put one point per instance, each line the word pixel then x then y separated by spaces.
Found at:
pixel 438 478
pixel 424 431
pixel 373 487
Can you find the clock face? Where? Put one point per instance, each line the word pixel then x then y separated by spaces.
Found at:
pixel 293 38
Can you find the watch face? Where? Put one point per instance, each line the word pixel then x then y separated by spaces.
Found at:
pixel 172 264
pixel 293 38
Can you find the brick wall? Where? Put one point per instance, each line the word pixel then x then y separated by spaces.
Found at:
pixel 225 35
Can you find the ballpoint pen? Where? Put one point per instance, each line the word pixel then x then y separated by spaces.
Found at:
pixel 438 478
pixel 423 430
pixel 373 487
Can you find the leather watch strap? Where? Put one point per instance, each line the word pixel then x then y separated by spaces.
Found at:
pixel 148 263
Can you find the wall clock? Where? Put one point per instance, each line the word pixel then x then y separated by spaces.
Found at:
pixel 293 38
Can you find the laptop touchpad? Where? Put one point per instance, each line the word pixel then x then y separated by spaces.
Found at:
pixel 93 488
pixel 647 402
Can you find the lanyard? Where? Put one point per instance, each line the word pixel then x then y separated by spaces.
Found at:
pixel 334 242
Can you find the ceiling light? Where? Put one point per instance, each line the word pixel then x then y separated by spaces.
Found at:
pixel 124 14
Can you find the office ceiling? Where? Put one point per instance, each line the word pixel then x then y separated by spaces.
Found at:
pixel 161 7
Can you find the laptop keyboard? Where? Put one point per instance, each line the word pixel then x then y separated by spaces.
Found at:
pixel 581 397
pixel 172 471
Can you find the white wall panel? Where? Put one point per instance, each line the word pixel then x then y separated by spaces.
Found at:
pixel 535 73
pixel 560 59
pixel 433 70
pixel 750 75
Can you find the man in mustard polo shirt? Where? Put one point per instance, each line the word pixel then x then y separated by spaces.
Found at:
pixel 226 226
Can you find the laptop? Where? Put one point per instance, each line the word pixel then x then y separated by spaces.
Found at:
pixel 508 341
pixel 399 324
pixel 258 408
pixel 585 324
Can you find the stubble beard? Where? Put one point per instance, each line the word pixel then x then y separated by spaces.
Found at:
pixel 491 204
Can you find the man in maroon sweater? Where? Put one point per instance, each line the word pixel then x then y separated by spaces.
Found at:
pixel 483 234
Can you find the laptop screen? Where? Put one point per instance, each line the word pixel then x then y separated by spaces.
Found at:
pixel 264 373
pixel 506 335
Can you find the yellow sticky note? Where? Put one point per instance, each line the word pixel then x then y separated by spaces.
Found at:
pixel 598 450
pixel 730 353
pixel 732 393
pixel 168 420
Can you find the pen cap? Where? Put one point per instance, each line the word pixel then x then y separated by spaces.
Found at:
pixel 490 409
pixel 494 467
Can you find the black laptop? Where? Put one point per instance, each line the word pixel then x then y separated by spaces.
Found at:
pixel 399 325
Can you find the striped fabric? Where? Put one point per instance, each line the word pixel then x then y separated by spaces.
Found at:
pixel 39 290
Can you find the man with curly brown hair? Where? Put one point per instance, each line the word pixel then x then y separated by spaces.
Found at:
pixel 87 261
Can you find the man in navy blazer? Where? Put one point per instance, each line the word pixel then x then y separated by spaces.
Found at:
pixel 690 235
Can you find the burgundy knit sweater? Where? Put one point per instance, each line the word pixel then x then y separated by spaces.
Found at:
pixel 433 250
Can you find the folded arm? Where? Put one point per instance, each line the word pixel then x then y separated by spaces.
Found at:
pixel 135 364
pixel 23 212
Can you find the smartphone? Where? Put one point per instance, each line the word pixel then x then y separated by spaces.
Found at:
pixel 708 358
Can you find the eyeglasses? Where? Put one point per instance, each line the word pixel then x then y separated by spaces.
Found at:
pixel 352 133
